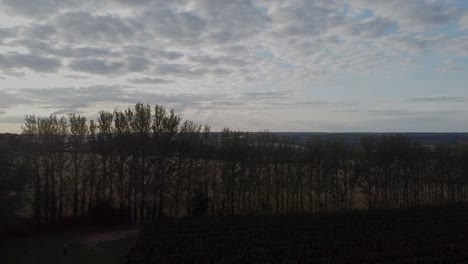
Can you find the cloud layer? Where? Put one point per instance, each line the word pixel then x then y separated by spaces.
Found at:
pixel 251 64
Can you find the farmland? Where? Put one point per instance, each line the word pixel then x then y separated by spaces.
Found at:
pixel 238 197
pixel 416 235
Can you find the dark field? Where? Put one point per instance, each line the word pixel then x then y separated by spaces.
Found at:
pixel 421 235
pixel 355 138
pixel 87 245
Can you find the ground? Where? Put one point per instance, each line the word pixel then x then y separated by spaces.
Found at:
pixel 86 245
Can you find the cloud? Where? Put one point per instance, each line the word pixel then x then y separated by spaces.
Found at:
pixel 415 43
pixel 37 8
pixel 137 64
pixel 415 14
pixel 410 124
pixel 380 112
pixel 67 51
pixel 147 3
pixel 9 99
pixel 463 23
pixel 439 99
pixel 34 62
pixel 147 80
pixel 371 28
pixel 179 70
pixel 211 61
pixel 449 66
pixel 457 46
pixel 95 66
pixel 7 33
pixel 41 31
pixel 84 27
pixel 177 28
pixel 230 20
pixel 84 97
pixel 234 59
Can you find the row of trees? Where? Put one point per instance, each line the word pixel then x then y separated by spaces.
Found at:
pixel 147 163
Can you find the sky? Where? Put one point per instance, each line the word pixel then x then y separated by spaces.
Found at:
pixel 281 65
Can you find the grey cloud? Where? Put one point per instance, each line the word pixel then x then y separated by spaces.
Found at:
pixel 137 64
pixel 37 46
pixel 11 119
pixel 147 80
pixel 457 46
pixel 7 33
pixel 209 60
pixel 320 103
pixel 9 99
pixel 36 8
pixel 179 70
pixel 169 55
pixel 380 112
pixel 76 77
pixel 449 66
pixel 371 28
pixel 135 50
pixel 223 42
pixel 39 31
pixel 81 27
pixel 410 124
pixel 66 96
pixel 63 98
pixel 268 95
pixel 177 27
pixel 416 44
pixel 463 23
pixel 234 49
pixel 230 20
pixel 420 43
pixel 220 71
pixel 34 62
pixel 67 110
pixel 414 13
pixel 136 2
pixel 95 66
pixel 304 17
pixel 78 108
pixel 439 99
pixel 147 3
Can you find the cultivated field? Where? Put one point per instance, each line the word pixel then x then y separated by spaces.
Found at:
pixel 418 235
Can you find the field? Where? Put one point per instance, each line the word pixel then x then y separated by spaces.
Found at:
pixel 86 245
pixel 418 235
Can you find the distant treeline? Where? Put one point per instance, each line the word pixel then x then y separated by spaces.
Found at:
pixel 144 163
pixel 427 138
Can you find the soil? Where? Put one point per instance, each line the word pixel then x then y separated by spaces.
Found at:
pixel 107 235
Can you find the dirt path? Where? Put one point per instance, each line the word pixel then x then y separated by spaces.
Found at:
pixel 107 235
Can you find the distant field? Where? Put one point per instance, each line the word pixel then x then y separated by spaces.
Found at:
pixel 421 235
pixel 86 246
pixel 355 138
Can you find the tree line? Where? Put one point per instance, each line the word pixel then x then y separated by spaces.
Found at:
pixel 144 163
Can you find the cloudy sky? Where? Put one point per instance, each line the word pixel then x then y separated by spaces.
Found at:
pixel 282 65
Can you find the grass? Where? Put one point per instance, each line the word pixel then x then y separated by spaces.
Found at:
pixel 47 248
